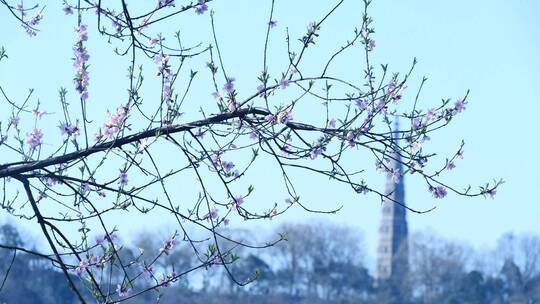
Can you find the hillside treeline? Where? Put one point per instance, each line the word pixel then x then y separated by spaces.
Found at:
pixel 318 263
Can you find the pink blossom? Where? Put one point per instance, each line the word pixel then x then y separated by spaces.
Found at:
pixel 148 272
pixel 31 23
pixel 169 244
pixel 292 71
pixel 361 104
pixel 165 280
pixel 14 121
pixel 459 106
pixel 237 201
pixel 232 106
pixel 67 10
pixel 81 58
pixel 394 92
pixel 123 179
pixel 395 175
pixel 114 122
pixel 85 188
pixel 365 34
pixel 430 115
pixel 331 123
pixel 201 7
pixel 153 41
pixel 81 30
pixel 164 70
pixel 213 214
pixel 33 139
pixel 416 123
pixel 122 291
pixel 69 129
pixel 143 143
pixel 283 83
pixel 271 119
pixel 438 192
pixel 37 113
pixel 370 45
pixel 229 85
pixel 285 115
pixel 312 27
pixel 83 265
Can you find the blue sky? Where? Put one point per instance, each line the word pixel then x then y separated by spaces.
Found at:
pixel 489 47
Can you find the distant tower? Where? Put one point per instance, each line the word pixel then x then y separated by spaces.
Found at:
pixel 392 251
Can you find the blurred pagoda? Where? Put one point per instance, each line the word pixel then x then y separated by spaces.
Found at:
pixel 392 250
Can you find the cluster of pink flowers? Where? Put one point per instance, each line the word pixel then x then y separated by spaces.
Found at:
pixel 123 291
pixel 85 188
pixel 271 213
pixel 94 261
pixel 284 83
pixel 201 7
pixel 212 214
pixel 431 115
pixel 169 244
pixel 229 85
pixel 318 148
pixel 30 23
pixel 123 179
pixel 237 201
pixel 459 106
pixel 350 137
pixel 165 280
pixel 393 173
pixel 14 121
pixel 81 57
pixel 368 41
pixel 67 10
pixel 365 106
pixel 164 69
pixel 438 192
pixel 83 265
pixel 113 124
pixel 33 139
pixel 147 271
pixel 225 167
pixel 69 129
pixel 50 181
pixel 284 116
pixel 394 91
pixel 101 238
pixel 232 105
pixel 153 41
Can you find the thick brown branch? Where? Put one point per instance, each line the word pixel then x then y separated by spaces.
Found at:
pixel 41 222
pixel 8 170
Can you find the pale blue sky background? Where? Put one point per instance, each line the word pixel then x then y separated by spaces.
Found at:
pixel 489 47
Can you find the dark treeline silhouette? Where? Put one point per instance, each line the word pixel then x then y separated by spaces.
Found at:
pixel 319 263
